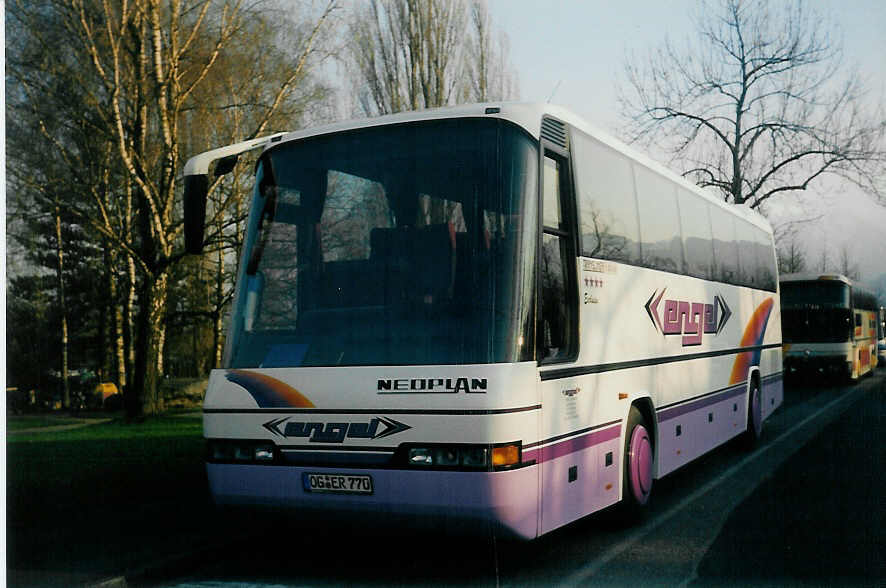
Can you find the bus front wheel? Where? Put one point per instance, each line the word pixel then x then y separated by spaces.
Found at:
pixel 638 462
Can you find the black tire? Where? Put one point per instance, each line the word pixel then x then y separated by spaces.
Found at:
pixel 754 429
pixel 637 470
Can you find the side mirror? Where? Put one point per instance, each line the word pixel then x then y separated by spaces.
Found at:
pixel 196 188
pixel 226 164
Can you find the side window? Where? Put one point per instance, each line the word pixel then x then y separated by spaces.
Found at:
pixel 696 225
pixel 748 263
pixel 725 246
pixel 660 241
pixel 606 203
pixel 766 258
pixel 552 213
pixel 556 340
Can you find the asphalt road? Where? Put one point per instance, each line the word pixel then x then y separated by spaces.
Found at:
pixel 805 507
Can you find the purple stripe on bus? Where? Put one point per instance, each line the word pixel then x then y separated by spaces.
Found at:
pixel 726 394
pixel 572 445
pixel 576 433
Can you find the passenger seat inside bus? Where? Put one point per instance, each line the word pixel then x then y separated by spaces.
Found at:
pixel 418 264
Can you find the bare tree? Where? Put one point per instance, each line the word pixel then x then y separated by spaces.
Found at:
pixel 489 75
pixel 758 104
pixel 414 54
pixel 847 266
pixel 791 257
pixel 824 261
pixel 132 78
pixel 278 72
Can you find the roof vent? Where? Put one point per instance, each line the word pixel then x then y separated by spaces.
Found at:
pixel 554 131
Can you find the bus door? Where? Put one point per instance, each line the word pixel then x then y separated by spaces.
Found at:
pixel 567 462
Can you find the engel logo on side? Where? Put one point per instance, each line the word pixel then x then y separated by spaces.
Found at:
pixel 689 319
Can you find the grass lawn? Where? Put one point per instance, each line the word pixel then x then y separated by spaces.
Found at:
pixel 101 464
pixel 17 423
pixel 92 494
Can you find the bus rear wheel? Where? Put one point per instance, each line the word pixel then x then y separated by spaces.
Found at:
pixel 638 461
pixel 754 429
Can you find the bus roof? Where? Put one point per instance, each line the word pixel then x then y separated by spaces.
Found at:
pixel 527 115
pixel 813 277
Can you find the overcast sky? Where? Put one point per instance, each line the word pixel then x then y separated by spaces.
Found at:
pixel 575 50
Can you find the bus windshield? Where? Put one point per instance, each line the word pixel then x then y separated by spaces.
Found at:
pixel 815 311
pixel 814 294
pixel 393 245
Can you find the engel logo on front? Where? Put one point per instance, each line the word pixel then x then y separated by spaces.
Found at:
pixel 320 432
pixel 689 319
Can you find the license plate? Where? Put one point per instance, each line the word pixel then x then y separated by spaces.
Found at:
pixel 337 483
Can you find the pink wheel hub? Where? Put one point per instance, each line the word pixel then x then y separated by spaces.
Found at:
pixel 640 464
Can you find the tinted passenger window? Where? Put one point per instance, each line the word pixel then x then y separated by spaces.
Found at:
pixel 766 260
pixel 660 241
pixel 725 246
pixel 696 225
pixel 755 256
pixel 747 254
pixel 606 204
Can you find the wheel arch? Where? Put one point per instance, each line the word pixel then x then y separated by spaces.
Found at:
pixel 753 378
pixel 646 407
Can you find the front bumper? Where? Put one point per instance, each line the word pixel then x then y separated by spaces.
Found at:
pixel 507 500
pixel 829 365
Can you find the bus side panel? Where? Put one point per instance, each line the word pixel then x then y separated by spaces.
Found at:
pixel 868 342
pixel 633 316
pixel 772 389
pixel 690 429
pixel 579 453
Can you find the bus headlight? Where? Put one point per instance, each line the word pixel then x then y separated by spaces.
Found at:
pixel 506 455
pixel 446 456
pixel 264 452
pixel 237 451
pixel 420 456
pixel 462 457
pixel 474 457
pixel 220 451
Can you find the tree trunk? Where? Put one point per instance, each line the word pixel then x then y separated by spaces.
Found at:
pixel 217 303
pixel 63 308
pixel 161 341
pixel 146 398
pixel 119 338
pixel 129 300
pixel 129 322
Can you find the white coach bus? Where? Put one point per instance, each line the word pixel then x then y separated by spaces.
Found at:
pixel 490 312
